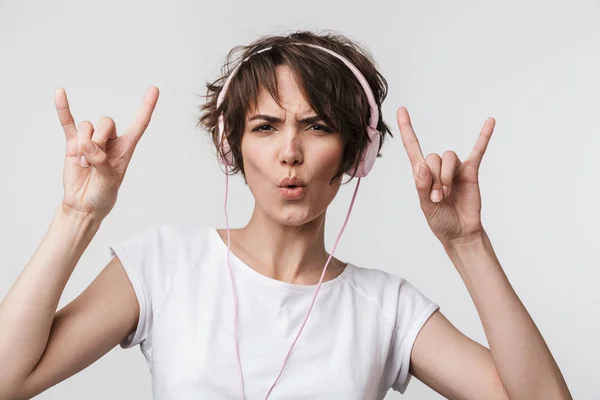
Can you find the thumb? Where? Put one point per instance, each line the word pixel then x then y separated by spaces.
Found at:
pixel 96 157
pixel 423 182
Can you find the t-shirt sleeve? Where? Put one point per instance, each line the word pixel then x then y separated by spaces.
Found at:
pixel 143 258
pixel 414 309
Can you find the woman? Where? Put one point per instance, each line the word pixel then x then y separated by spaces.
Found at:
pixel 294 120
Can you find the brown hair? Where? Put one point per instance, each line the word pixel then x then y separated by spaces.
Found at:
pixel 327 83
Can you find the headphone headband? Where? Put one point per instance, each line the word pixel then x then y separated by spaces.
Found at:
pixel 372 149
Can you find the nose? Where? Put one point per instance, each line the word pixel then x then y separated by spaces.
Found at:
pixel 291 150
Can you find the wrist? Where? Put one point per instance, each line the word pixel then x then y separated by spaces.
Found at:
pixel 463 251
pixel 80 219
pixel 467 243
pixel 474 252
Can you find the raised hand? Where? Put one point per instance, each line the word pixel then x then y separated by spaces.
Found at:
pixel 448 189
pixel 96 159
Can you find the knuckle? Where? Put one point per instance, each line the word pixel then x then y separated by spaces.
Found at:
pixel 431 157
pixel 108 121
pixel 449 153
pixel 85 127
pixel 67 121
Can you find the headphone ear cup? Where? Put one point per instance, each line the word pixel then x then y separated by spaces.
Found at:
pixel 370 154
pixel 225 154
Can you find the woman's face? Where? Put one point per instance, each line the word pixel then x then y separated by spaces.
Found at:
pixel 288 142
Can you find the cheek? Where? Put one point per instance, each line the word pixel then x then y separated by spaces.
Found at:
pixel 325 162
pixel 254 156
pixel 328 157
pixel 258 170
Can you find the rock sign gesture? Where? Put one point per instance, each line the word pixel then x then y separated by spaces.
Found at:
pixel 448 189
pixel 96 159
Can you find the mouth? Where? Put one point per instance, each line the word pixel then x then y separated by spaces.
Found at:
pixel 292 192
pixel 292 188
pixel 292 182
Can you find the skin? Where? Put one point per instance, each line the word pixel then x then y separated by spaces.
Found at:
pixel 518 363
pixel 40 347
pixel 92 192
pixel 284 239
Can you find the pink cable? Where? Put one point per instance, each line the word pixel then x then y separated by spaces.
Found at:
pixel 235 308
pixel 235 313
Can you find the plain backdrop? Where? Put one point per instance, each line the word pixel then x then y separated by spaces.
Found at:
pixel 532 65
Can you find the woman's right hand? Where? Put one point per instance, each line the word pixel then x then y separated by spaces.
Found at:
pixel 92 178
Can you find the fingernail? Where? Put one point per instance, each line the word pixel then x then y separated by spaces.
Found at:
pixel 436 196
pixel 83 162
pixel 445 190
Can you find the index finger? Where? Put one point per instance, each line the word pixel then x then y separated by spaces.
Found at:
pixel 64 113
pixel 409 139
pixel 144 114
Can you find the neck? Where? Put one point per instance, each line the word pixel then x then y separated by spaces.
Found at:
pixel 293 254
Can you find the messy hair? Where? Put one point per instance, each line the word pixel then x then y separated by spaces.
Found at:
pixel 327 84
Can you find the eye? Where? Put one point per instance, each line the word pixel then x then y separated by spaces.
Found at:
pixel 322 128
pixel 269 127
pixel 263 128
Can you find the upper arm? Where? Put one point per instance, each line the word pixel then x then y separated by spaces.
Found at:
pixel 452 364
pixel 105 313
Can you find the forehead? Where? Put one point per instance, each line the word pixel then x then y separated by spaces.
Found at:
pixel 289 93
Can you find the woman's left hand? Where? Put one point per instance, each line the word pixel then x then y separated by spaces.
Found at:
pixel 448 189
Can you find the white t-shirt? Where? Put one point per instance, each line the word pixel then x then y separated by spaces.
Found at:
pixel 355 345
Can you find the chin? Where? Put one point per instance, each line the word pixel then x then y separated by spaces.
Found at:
pixel 292 214
pixel 293 218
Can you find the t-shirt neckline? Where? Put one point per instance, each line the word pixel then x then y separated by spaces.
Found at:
pixel 251 273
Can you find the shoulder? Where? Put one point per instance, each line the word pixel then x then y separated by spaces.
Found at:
pixel 166 236
pixel 156 256
pixel 163 246
pixel 372 280
pixel 391 293
pixel 175 231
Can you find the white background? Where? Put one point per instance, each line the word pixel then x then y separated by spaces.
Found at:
pixel 532 65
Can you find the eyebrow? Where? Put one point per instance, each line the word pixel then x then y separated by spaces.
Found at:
pixel 269 118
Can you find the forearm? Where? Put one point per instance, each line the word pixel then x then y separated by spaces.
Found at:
pixel 522 358
pixel 27 311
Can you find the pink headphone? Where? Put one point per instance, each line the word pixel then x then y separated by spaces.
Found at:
pixel 370 153
pixel 366 164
